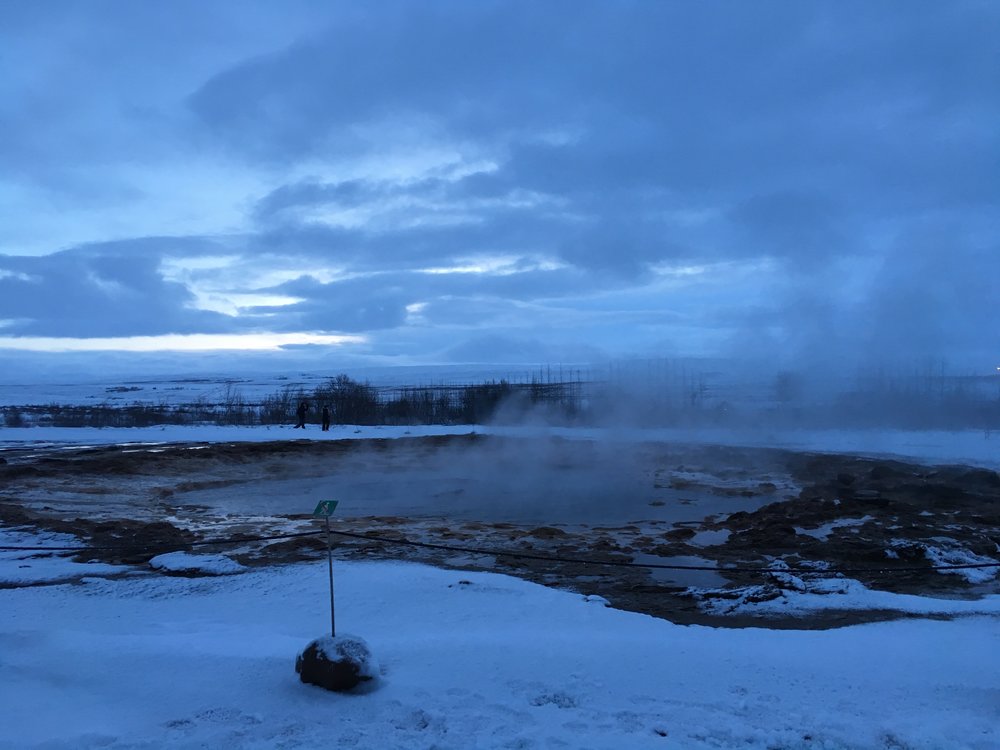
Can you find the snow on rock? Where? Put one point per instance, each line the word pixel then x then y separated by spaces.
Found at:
pixel 792 595
pixel 946 552
pixel 339 663
pixel 960 556
pixel 185 563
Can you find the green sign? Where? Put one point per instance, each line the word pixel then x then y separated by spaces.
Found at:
pixel 325 508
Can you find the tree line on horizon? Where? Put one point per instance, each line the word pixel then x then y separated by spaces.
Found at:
pixel 907 403
pixel 349 402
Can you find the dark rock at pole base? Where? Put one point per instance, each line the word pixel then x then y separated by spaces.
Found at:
pixel 338 663
pixel 846 479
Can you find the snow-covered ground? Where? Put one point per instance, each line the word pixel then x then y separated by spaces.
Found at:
pixel 107 656
pixel 973 447
pixel 26 568
pixel 469 660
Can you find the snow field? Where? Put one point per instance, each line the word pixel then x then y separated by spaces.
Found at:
pixel 153 661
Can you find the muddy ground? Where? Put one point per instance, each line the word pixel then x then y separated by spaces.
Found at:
pixel 575 500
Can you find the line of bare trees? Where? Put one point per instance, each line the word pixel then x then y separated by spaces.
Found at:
pixel 349 402
pixel 790 401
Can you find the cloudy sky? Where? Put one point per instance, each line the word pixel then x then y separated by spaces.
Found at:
pixel 500 181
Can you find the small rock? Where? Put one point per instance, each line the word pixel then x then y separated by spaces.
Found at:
pixel 546 532
pixel 868 495
pixel 764 593
pixel 881 471
pixel 187 564
pixel 679 535
pixel 975 476
pixel 739 519
pixel 338 663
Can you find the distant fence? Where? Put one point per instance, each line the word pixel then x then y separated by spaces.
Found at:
pixel 348 402
pixel 650 396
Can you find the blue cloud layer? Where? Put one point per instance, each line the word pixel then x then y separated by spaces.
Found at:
pixel 626 177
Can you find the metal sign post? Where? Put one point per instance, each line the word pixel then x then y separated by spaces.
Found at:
pixel 325 509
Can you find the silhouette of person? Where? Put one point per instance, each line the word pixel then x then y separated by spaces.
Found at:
pixel 326 418
pixel 301 412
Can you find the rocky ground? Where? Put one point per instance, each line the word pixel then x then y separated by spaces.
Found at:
pixel 886 522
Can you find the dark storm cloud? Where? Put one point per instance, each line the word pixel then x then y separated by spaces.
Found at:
pixel 73 294
pixel 108 73
pixel 847 151
pixel 619 235
pixel 357 305
pixel 380 300
pixel 495 348
pixel 667 94
pixel 493 231
pixel 310 193
pixel 807 225
pixel 800 124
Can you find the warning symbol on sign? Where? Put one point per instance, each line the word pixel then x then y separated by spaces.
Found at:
pixel 325 508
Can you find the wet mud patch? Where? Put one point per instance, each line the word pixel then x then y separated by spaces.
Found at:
pixel 118 542
pixel 884 517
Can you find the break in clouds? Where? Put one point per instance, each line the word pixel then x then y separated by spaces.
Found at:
pixel 495 182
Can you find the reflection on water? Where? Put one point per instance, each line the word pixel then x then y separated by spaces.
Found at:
pixel 698 578
pixel 530 481
pixel 542 482
pixel 588 497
